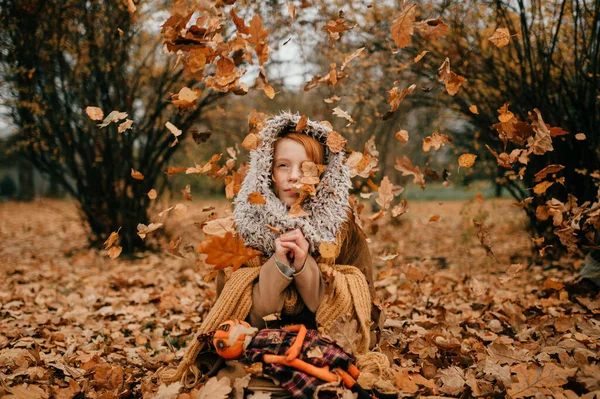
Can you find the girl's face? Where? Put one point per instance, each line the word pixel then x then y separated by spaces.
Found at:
pixel 287 169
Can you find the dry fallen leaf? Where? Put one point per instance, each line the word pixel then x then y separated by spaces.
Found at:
pixel 328 250
pixel 215 389
pixel 473 109
pixel 533 379
pixel 251 142
pixel 152 194
pixel 402 136
pixel 403 26
pixel 510 273
pixel 144 230
pixel 337 111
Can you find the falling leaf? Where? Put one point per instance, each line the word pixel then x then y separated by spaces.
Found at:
pixel 301 125
pixel 144 230
pixel 542 187
pixel 548 169
pixel 336 142
pixel 115 251
pixel 434 218
pixel 201 137
pixel 511 273
pixel 484 237
pixel 136 175
pixel 186 98
pixel 95 113
pixel 226 251
pixel 403 26
pixel 395 98
pixel 451 80
pixel 405 166
pixel 501 37
pixel 251 142
pixel 351 57
pixel 420 56
pixel 388 257
pixel 125 126
pixel 580 136
pixel 466 160
pixel 256 198
pixel 174 170
pixel 215 389
pixel 219 227
pixel 273 229
pixel 112 238
pixel 400 209
pixel 187 193
pixel 174 248
pixel 436 140
pixel 473 109
pixel 402 136
pixel 384 194
pixel 337 111
pixel 291 10
pixel 414 274
pixel 113 117
pixel 173 129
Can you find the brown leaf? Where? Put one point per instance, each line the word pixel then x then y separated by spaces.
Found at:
pixel 186 98
pixel 473 109
pixel 420 56
pixel 451 80
pixel 328 250
pixel 215 389
pixel 466 160
pixel 301 125
pixel 436 141
pixel 402 136
pixel 251 142
pixel 432 28
pixel 173 170
pixel 219 227
pixel 336 142
pixel 403 26
pixel 112 238
pixel 384 194
pixel 144 230
pixel 405 166
pixel 533 379
pixel 510 273
pixel 400 209
pixel 337 111
pixel 200 137
pixel 501 37
pixel 434 218
pixel 351 57
pixel 542 187
pixel 541 175
pixel 226 251
pixel 136 175
pixel 256 198
pixel 95 113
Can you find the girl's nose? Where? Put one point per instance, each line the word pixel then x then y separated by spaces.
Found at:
pixel 295 174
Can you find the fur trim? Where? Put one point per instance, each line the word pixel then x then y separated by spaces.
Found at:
pixel 327 210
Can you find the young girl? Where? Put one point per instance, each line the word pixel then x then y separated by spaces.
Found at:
pixel 292 279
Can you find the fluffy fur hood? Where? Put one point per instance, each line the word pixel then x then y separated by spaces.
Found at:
pixel 327 210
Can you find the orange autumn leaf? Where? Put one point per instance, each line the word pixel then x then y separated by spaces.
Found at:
pixel 336 142
pixel 532 379
pixel 173 170
pixel 434 218
pixel 420 56
pixel 405 166
pixel 402 136
pixel 473 109
pixel 328 250
pixel 451 80
pixel 256 198
pixel 95 113
pixel 466 160
pixel 403 26
pixel 251 142
pixel 542 187
pixel 226 251
pixel 301 125
pixel 501 37
pixel 136 175
pixel 436 140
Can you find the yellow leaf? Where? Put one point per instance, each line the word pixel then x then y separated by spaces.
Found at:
pixel 501 37
pixel 542 187
pixel 328 250
pixel 473 109
pixel 466 160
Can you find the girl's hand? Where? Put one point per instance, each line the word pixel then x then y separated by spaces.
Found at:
pixel 297 247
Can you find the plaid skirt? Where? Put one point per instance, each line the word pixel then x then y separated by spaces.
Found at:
pixel 297 383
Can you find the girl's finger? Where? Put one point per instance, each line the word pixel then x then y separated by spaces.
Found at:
pixel 292 246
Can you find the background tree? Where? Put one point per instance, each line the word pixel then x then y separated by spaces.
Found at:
pixel 61 57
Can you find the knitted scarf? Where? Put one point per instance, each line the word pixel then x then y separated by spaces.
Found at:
pixel 327 212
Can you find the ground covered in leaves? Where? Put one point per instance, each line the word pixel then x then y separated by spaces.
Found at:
pixel 462 320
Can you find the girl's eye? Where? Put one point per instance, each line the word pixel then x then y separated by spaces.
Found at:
pixel 282 165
